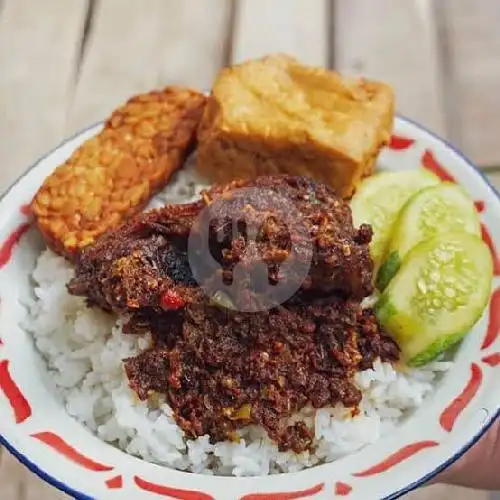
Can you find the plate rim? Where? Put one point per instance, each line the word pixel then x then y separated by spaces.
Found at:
pixel 78 495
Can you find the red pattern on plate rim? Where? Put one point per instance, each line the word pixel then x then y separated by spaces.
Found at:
pixel 430 163
pixel 494 253
pixel 25 209
pixel 58 444
pixel 19 404
pixel 493 330
pixel 171 492
pixel 396 458
pixel 457 406
pixel 12 240
pixel 115 483
pixel 399 143
pixel 480 206
pixel 22 408
pixel 1 341
pixel 342 489
pixel 492 359
pixel 286 495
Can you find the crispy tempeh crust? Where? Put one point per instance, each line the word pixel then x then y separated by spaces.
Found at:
pixel 114 174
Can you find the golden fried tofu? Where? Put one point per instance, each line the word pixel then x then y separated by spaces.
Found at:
pixel 275 115
pixel 114 174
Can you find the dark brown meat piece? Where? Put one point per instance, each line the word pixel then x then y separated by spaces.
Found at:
pixel 129 268
pixel 285 213
pixel 141 264
pixel 222 370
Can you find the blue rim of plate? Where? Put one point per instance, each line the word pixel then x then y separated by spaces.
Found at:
pixel 78 495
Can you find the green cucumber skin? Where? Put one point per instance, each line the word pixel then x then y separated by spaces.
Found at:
pixel 388 270
pixel 392 318
pixel 385 311
pixel 423 179
pixel 436 349
pixel 400 234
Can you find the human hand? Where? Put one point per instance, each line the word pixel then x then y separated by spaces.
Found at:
pixel 479 468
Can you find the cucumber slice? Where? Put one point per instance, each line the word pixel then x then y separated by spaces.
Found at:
pixel 440 291
pixel 379 200
pixel 434 210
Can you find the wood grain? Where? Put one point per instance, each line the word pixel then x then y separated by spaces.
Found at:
pixel 494 177
pixel 121 58
pixel 39 46
pixel 18 483
pixel 395 41
pixel 296 27
pixel 134 46
pixel 442 492
pixel 473 35
pixel 195 41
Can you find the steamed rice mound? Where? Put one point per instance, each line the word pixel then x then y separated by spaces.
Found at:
pixel 84 347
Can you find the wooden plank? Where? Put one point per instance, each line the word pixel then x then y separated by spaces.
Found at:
pixel 18 483
pixel 296 27
pixel 473 39
pixel 443 492
pixel 394 41
pixel 196 35
pixel 39 47
pixel 136 46
pixel 11 477
pixel 495 178
pixel 121 57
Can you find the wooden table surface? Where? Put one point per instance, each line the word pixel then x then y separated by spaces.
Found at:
pixel 64 64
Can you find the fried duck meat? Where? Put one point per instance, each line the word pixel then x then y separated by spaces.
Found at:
pixel 278 219
pixel 242 224
pixel 114 174
pixel 223 370
pixel 220 368
pixel 141 264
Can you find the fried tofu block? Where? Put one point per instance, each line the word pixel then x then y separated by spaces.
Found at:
pixel 274 115
pixel 114 174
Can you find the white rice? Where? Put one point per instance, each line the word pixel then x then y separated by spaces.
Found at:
pixel 83 349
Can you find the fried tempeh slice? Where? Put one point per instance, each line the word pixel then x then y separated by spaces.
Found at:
pixel 114 174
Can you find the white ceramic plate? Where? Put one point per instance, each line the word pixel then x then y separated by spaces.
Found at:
pixel 35 427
